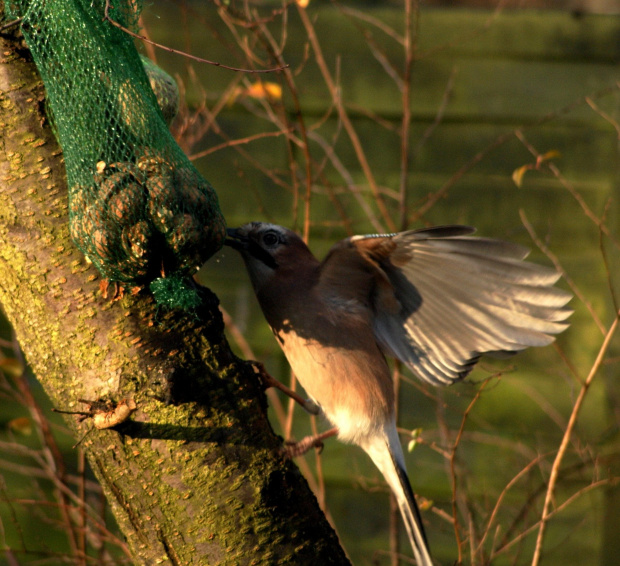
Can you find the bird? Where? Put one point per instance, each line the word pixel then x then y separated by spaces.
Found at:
pixel 437 299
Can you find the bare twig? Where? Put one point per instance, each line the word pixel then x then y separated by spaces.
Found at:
pixel 604 115
pixel 106 17
pixel 348 179
pixel 375 22
pixel 501 497
pixel 275 51
pixel 453 474
pixel 566 439
pixel 443 105
pixel 569 186
pixel 50 450
pixel 82 496
pixel 570 500
pixel 317 487
pixel 410 46
pixel 232 143
pixel 501 140
pixel 346 121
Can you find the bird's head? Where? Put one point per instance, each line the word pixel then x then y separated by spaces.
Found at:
pixel 270 251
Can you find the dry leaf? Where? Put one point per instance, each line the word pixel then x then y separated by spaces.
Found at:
pixel 268 90
pixel 264 90
pixel 517 175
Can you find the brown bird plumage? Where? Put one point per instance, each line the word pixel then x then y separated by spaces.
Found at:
pixel 437 299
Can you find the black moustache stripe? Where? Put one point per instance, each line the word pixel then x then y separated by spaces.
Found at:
pixel 261 255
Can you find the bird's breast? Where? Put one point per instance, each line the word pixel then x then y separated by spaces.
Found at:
pixel 341 368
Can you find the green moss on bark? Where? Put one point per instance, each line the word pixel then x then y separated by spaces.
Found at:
pixel 195 475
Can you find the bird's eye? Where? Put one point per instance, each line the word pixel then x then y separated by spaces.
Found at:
pixel 270 239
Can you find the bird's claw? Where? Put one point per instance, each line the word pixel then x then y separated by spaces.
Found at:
pixel 294 449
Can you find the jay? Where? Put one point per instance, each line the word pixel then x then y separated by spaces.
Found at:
pixel 437 299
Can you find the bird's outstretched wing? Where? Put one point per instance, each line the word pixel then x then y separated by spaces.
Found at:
pixel 442 298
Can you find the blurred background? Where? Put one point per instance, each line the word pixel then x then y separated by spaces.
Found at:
pixel 395 115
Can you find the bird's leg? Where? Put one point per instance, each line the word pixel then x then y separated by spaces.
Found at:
pixel 269 381
pixel 294 449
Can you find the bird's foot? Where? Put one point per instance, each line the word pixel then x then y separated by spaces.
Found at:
pixel 295 449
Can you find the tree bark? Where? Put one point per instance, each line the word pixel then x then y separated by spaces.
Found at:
pixel 195 475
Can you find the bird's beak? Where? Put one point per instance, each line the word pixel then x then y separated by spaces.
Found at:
pixel 236 240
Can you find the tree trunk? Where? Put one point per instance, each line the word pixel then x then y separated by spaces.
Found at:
pixel 195 475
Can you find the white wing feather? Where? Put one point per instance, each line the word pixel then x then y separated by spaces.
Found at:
pixel 462 297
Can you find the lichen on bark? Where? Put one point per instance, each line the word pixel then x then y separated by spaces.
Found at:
pixel 195 476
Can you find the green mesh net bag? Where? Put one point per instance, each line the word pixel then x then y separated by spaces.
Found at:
pixel 137 207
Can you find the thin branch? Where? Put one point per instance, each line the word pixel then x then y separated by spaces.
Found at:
pixel 502 495
pixel 106 17
pixel 501 140
pixel 346 121
pixel 82 526
pixel 604 115
pixel 348 179
pixel 317 486
pixel 269 173
pixel 443 105
pixel 242 141
pixel 275 51
pixel 569 186
pixel 50 451
pixel 457 528
pixel 378 53
pixel 411 21
pixel 365 17
pixel 596 485
pixel 566 439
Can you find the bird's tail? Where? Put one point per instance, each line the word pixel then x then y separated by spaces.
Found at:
pixel 386 453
